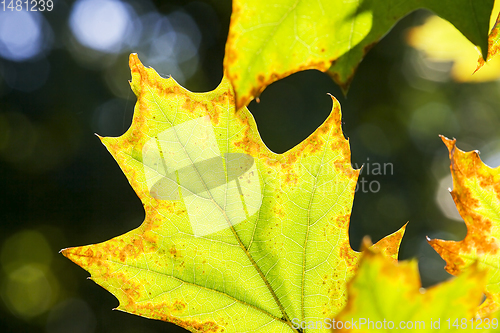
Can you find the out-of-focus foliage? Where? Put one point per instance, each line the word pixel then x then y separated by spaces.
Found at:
pixel 389 296
pixel 476 192
pixel 440 41
pixel 236 238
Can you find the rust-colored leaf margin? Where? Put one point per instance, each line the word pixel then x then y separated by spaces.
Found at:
pixel 476 192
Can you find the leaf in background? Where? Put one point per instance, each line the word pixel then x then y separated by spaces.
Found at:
pixel 387 292
pixel 493 42
pixel 476 191
pixel 269 40
pixel 440 41
pixel 236 238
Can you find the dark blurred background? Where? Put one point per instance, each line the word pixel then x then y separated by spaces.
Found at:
pixel 63 77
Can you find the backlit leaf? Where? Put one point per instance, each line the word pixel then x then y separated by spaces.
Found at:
pixel 476 191
pixel 270 39
pixel 236 238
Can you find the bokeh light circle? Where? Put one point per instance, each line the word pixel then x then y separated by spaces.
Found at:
pixel 21 36
pixel 100 25
pixel 171 44
pixel 27 291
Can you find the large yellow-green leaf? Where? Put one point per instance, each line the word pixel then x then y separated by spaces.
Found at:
pixel 476 191
pixel 236 238
pixel 270 39
pixel 388 297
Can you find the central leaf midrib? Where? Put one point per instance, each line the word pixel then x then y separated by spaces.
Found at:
pixel 238 239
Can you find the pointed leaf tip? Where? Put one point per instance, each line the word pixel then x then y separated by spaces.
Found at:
pixel 389 245
pixel 133 61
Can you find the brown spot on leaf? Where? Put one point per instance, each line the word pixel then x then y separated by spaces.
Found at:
pixel 247 142
pixel 191 105
pixel 174 253
pixel 130 288
pixel 349 255
pixel 342 222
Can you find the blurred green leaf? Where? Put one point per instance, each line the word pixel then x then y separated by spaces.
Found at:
pixel 269 40
pixel 384 295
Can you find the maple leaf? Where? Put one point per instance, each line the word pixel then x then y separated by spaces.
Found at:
pixel 389 296
pixel 476 192
pixel 269 40
pixel 236 238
